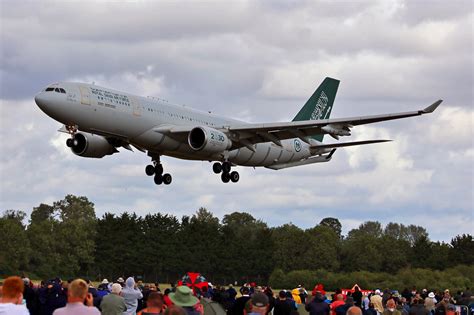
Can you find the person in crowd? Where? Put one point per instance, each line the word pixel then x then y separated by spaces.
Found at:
pixel 430 302
pixel 271 300
pixel 154 304
pixel 131 295
pixel 184 297
pixel 121 281
pixel 166 297
pixel 357 296
pixel 215 305
pixel 77 295
pixel 342 310
pixel 239 305
pixel 282 305
pixel 370 310
pixel 418 307
pixel 95 295
pixel 365 302
pixel 391 308
pixel 376 299
pixel 232 293
pixel 113 303
pixel 259 304
pixel 403 306
pixel 52 295
pixel 103 288
pixel 30 297
pixel 174 310
pixel 318 306
pixel 338 302
pixel 12 297
pixel 354 310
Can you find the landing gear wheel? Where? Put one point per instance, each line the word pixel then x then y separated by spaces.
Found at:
pixel 150 170
pixel 158 179
pixel 69 142
pixel 226 167
pixel 167 179
pixel 225 177
pixel 217 167
pixel 159 169
pixel 234 177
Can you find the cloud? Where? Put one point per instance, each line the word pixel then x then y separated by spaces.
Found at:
pixel 256 61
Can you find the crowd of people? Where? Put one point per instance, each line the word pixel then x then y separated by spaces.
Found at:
pixel 128 297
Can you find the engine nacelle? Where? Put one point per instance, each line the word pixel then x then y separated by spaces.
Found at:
pixel 88 145
pixel 209 140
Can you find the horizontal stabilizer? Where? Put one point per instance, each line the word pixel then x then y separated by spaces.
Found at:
pixel 345 144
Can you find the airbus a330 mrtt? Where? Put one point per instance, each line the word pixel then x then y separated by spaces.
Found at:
pixel 100 120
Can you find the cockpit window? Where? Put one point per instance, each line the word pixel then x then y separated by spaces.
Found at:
pixel 49 89
pixel 57 90
pixel 62 90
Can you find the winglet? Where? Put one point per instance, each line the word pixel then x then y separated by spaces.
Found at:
pixel 432 107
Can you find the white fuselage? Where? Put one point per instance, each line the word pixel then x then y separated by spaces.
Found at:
pixel 112 113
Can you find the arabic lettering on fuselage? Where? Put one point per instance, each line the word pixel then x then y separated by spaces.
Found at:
pixel 110 97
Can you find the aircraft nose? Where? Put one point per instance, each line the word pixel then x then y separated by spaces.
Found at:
pixel 40 100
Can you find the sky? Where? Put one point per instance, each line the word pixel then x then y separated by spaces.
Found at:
pixel 258 61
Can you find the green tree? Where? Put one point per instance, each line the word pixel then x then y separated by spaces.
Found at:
pixel 14 245
pixel 323 248
pixel 420 251
pixel 333 224
pixel 462 249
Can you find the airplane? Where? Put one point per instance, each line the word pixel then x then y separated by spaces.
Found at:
pixel 100 120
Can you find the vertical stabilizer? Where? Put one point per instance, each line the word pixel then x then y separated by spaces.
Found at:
pixel 320 104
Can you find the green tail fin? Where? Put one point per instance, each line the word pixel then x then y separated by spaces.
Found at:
pixel 319 104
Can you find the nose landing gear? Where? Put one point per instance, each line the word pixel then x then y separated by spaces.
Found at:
pixel 225 169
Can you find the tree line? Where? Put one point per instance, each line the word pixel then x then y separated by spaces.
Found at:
pixel 66 239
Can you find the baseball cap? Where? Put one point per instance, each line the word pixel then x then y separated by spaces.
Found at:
pixel 259 299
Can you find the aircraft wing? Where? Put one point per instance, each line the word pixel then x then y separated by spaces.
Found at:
pixel 249 134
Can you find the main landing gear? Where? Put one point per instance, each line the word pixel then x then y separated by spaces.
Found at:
pixel 156 170
pixel 225 169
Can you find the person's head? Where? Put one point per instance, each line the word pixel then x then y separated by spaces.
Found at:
pixel 130 282
pixel 259 303
pixel 282 295
pixel 183 297
pixel 350 300
pixel 12 291
pixel 155 300
pixel 116 288
pixel 391 304
pixel 340 297
pixel 356 289
pixel 245 290
pixel 77 291
pixel 175 310
pixel 354 310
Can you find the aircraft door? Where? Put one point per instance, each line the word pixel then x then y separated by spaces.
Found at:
pixel 137 108
pixel 85 95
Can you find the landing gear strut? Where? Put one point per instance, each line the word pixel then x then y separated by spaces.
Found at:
pixel 225 169
pixel 72 131
pixel 156 170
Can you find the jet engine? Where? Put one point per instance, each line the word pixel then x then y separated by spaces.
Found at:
pixel 209 140
pixel 88 145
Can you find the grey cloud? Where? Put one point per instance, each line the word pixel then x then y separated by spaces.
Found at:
pixel 259 62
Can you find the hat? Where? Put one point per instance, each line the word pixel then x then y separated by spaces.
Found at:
pixel 120 280
pixel 377 291
pixel 396 295
pixel 431 295
pixel 259 299
pixel 183 296
pixel 116 288
pixel 26 281
pixel 105 281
